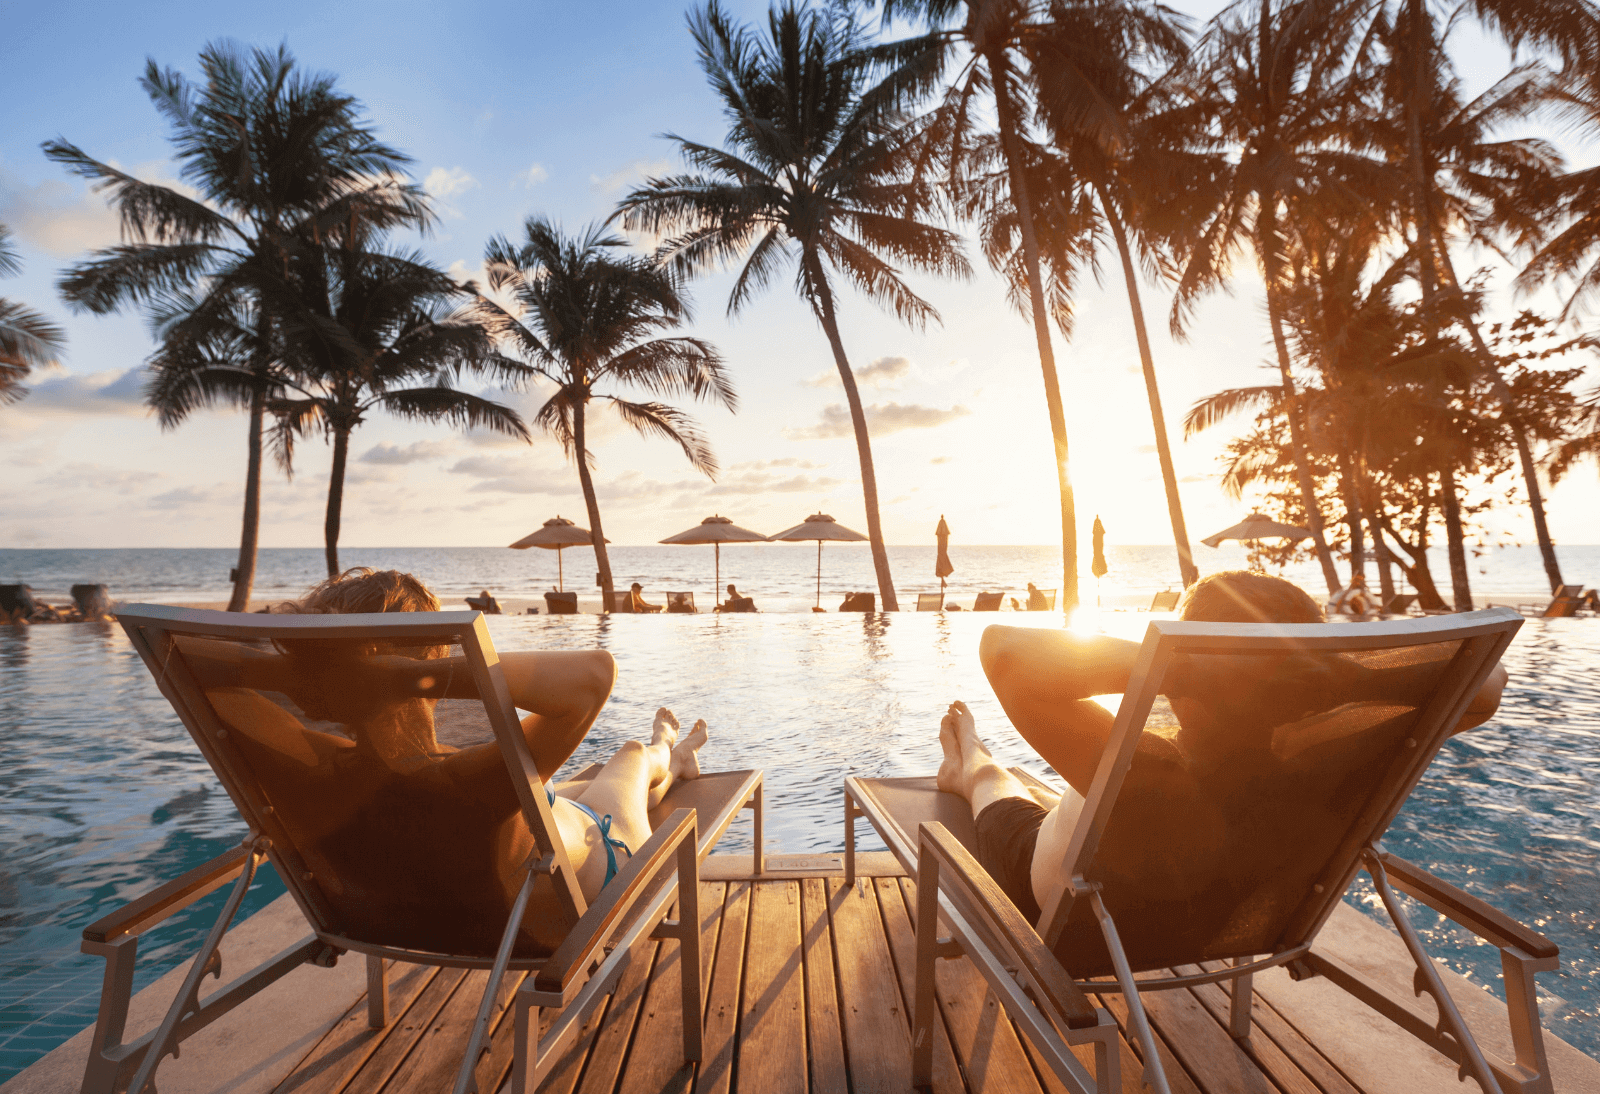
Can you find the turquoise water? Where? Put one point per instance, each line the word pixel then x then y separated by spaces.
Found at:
pixel 104 796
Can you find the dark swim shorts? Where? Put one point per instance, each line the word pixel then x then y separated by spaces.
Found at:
pixel 1007 832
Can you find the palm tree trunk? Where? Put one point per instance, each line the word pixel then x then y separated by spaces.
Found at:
pixel 1169 478
pixel 1417 571
pixel 858 419
pixel 1009 131
pixel 592 504
pixel 1385 563
pixel 1461 587
pixel 1353 517
pixel 330 526
pixel 244 575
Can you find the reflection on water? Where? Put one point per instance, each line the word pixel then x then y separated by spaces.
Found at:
pixel 105 796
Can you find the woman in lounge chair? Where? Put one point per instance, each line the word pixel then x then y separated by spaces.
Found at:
pixel 1045 681
pixel 388 753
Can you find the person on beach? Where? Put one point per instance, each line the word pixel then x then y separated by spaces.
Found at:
pixel 638 602
pixel 1036 600
pixel 388 770
pixel 1045 681
pixel 1353 600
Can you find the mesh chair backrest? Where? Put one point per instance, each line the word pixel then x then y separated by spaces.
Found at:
pixel 929 602
pixel 561 603
pixel 1249 767
pixel 383 758
pixel 858 602
pixel 1164 601
pixel 680 602
pixel 987 602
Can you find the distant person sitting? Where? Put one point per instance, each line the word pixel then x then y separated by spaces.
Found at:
pixel 1036 599
pixel 735 602
pixel 639 604
pixel 1353 599
pixel 485 603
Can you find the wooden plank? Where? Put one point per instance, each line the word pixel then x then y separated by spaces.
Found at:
pixel 722 999
pixel 566 1069
pixel 1269 1024
pixel 877 1033
pixel 404 1032
pixel 984 1040
pixel 1178 1078
pixel 1214 1059
pixel 609 1055
pixel 1131 1067
pixel 772 1025
pixel 433 1064
pixel 824 1031
pixel 947 1076
pixel 347 1046
pixel 655 1060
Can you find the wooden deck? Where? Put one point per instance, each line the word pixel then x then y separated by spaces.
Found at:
pixel 807 987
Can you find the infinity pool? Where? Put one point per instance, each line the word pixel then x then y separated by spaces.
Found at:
pixel 104 796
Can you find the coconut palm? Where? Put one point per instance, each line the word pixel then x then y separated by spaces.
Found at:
pixel 275 155
pixel 27 339
pixel 986 41
pixel 1572 255
pixel 588 318
pixel 371 330
pixel 814 172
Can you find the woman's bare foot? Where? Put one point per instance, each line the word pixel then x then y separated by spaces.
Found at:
pixel 685 763
pixel 665 728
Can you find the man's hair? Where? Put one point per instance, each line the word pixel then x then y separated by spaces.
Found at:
pixel 362 589
pixel 1244 596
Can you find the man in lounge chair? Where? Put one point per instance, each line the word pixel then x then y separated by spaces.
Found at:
pixel 384 700
pixel 639 604
pixel 1045 681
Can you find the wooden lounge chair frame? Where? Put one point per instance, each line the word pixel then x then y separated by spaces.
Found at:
pixel 1165 601
pixel 584 967
pixel 1017 959
pixel 1566 601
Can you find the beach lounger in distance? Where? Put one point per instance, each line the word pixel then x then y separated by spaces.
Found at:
pixel 930 602
pixel 561 603
pixel 1566 602
pixel 988 602
pixel 1343 720
pixel 1042 600
pixel 346 833
pixel 859 602
pixel 1166 601
pixel 681 604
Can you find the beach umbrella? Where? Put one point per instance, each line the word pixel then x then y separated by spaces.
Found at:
pixel 558 533
pixel 820 527
pixel 716 531
pixel 1257 527
pixel 1098 567
pixel 942 567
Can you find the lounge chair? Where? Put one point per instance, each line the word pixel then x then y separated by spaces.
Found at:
pixel 859 602
pixel 681 604
pixel 1255 905
pixel 1566 602
pixel 1399 604
pixel 930 602
pixel 738 604
pixel 1042 600
pixel 561 603
pixel 1166 601
pixel 92 601
pixel 988 602
pixel 352 866
pixel 622 604
pixel 17 601
pixel 486 603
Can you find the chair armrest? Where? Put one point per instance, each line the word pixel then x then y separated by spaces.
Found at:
pixel 961 868
pixel 174 896
pixel 589 934
pixel 1483 920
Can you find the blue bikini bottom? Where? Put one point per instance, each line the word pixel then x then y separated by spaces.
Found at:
pixel 604 824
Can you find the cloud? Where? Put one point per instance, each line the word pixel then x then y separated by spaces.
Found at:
pixel 490 467
pixel 361 472
pixel 533 176
pixel 66 218
pixel 91 476
pixel 786 461
pixel 885 372
pixel 882 419
pixel 119 393
pixel 525 485
pixel 628 174
pixel 1145 449
pixel 940 459
pixel 411 453
pixel 759 483
pixel 445 183
pixel 1197 478
pixel 185 496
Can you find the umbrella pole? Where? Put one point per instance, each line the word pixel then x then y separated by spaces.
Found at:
pixel 716 590
pixel 819 573
pixel 561 578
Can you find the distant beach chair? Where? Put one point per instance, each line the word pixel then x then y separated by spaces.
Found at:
pixel 738 604
pixel 681 604
pixel 859 602
pixel 486 603
pixel 561 603
pixel 622 604
pixel 92 601
pixel 17 601
pixel 1166 601
pixel 1311 821
pixel 988 602
pixel 1399 604
pixel 930 602
pixel 1042 600
pixel 1565 602
pixel 360 879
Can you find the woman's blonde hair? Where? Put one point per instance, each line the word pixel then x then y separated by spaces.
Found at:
pixel 360 590
pixel 1245 596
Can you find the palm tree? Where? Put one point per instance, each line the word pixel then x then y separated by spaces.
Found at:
pixel 1572 255
pixel 1282 94
pixel 815 172
pixel 1126 141
pixel 989 37
pixel 276 156
pixel 588 317
pixel 27 339
pixel 373 330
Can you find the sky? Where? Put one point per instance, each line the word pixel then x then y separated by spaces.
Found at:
pixel 542 108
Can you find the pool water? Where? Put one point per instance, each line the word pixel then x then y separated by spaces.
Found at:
pixel 102 795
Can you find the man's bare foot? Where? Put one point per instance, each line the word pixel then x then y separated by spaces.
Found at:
pixel 665 728
pixel 685 762
pixel 949 777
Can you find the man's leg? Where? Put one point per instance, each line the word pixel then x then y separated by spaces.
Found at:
pixel 969 769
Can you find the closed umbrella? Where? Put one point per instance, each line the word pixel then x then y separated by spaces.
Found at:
pixel 942 567
pixel 557 533
pixel 1257 527
pixel 820 527
pixel 716 531
pixel 1098 567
